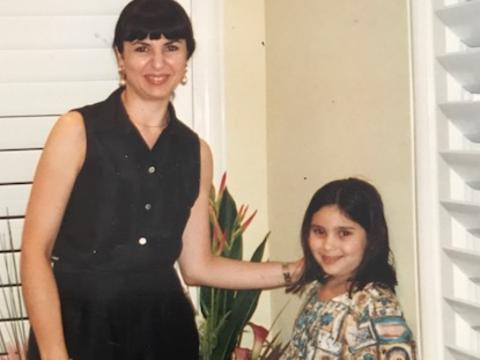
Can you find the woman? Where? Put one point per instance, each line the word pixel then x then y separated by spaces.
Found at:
pixel 120 194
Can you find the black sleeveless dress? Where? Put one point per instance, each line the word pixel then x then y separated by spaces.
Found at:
pixel 121 234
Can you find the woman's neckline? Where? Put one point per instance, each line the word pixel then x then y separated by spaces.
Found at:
pixel 149 135
pixel 129 106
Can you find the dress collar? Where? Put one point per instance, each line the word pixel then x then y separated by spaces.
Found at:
pixel 127 125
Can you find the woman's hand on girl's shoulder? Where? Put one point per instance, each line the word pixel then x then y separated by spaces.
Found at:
pixel 296 269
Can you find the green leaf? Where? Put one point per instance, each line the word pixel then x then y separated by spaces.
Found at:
pixel 215 303
pixel 243 308
pixel 227 213
pixel 225 300
pixel 205 299
pixel 235 250
pixel 258 253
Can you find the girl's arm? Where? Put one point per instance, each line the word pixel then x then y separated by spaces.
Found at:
pixel 200 267
pixel 56 172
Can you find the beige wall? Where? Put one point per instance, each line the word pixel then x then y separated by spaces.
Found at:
pixel 327 97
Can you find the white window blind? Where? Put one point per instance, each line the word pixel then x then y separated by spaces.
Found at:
pixel 446 68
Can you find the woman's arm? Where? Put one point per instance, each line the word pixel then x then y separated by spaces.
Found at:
pixel 56 172
pixel 200 267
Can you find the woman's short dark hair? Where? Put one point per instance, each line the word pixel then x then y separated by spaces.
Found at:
pixel 153 18
pixel 360 202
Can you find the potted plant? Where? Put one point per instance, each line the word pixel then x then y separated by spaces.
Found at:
pixel 225 313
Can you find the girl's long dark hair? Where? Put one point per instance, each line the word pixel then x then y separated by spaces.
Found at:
pixel 360 202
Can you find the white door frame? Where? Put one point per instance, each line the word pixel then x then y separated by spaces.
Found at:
pixel 208 78
pixel 429 312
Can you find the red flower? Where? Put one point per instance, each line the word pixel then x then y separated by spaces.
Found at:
pixel 260 335
pixel 242 353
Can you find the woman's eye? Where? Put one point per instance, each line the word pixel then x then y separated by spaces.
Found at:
pixel 141 49
pixel 172 47
pixel 344 233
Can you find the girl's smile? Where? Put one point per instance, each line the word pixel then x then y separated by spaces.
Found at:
pixel 329 260
pixel 337 243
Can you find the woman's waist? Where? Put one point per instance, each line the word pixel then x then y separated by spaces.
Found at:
pixel 142 254
pixel 108 241
pixel 107 286
pixel 139 263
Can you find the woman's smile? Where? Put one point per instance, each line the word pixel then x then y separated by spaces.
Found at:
pixel 157 79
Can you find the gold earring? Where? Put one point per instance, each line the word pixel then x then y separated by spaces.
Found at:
pixel 122 77
pixel 184 80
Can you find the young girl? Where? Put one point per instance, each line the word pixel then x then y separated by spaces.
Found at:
pixel 351 311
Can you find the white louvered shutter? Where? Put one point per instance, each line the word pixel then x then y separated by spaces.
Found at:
pixel 446 51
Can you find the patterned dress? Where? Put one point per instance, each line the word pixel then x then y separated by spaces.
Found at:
pixel 368 326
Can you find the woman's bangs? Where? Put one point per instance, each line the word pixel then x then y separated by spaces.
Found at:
pixel 154 28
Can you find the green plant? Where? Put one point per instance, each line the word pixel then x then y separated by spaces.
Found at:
pixel 226 312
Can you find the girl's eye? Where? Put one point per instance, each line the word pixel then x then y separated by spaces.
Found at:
pixel 344 233
pixel 318 231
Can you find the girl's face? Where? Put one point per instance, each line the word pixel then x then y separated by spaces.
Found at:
pixel 153 68
pixel 336 242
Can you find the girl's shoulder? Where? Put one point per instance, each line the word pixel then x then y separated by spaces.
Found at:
pixel 377 300
pixel 377 309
